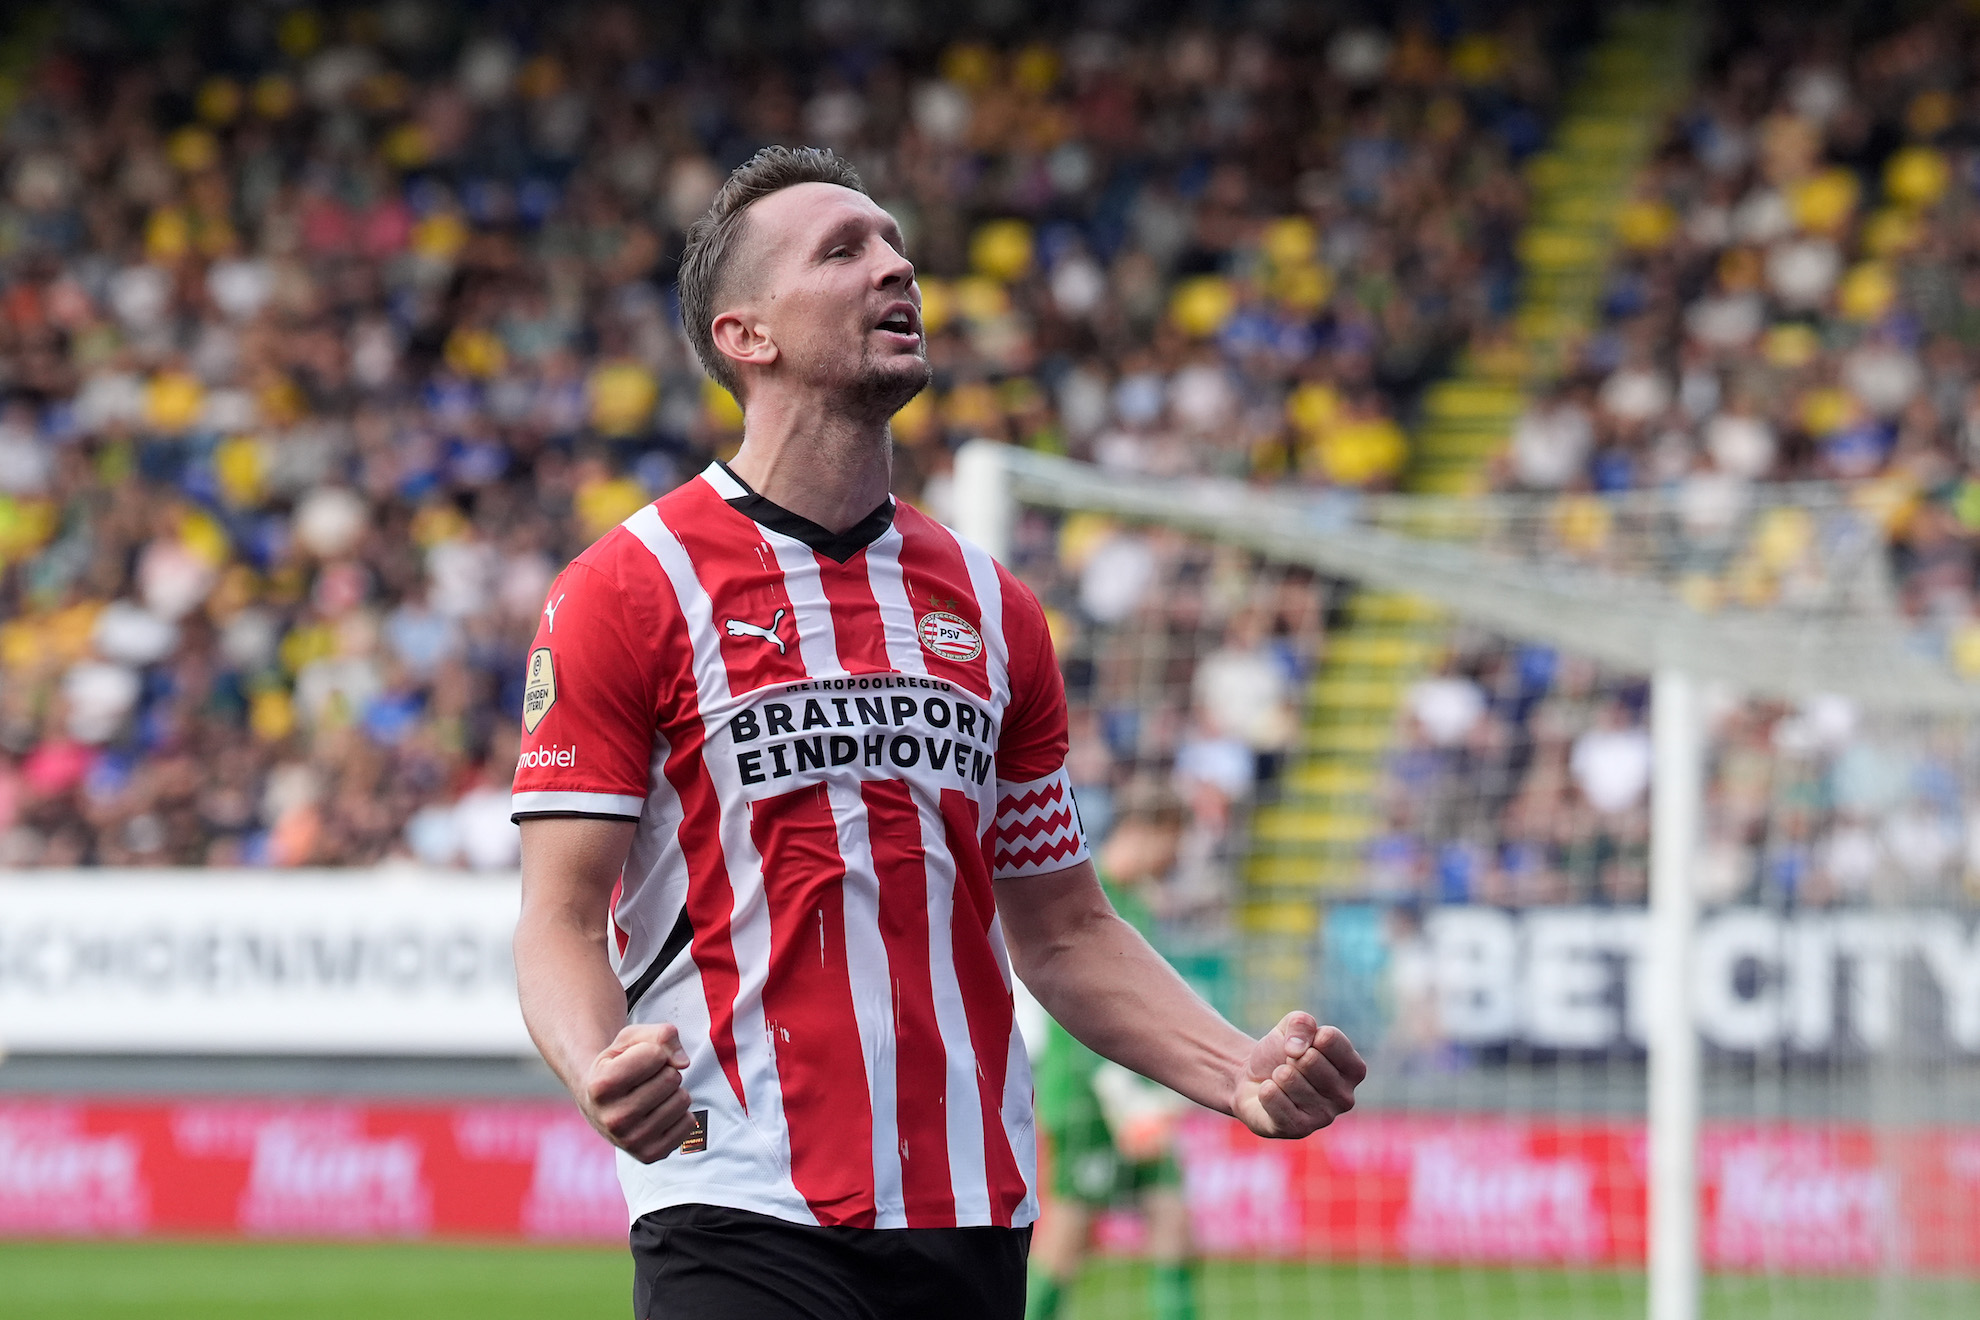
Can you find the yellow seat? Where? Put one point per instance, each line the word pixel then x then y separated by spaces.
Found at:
pixel 1392 607
pixel 1379 651
pixel 1283 917
pixel 1331 778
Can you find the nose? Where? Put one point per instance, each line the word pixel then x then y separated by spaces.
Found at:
pixel 893 270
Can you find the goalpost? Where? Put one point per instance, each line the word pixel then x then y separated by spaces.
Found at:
pixel 1677 783
pixel 1780 600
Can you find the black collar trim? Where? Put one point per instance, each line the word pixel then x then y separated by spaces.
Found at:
pixel 836 546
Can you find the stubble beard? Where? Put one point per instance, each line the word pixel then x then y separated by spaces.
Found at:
pixel 881 389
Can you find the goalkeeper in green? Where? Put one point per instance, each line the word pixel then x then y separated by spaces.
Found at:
pixel 1110 1134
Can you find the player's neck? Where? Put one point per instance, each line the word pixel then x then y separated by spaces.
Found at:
pixel 833 470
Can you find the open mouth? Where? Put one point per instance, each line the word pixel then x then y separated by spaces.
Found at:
pixel 899 323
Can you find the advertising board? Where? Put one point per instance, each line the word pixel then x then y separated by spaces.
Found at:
pixel 1434 1188
pixel 1812 982
pixel 259 963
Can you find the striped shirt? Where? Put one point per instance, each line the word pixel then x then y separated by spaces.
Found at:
pixel 832 745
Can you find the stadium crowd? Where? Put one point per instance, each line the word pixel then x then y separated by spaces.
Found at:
pixel 1794 297
pixel 1794 300
pixel 1522 777
pixel 328 335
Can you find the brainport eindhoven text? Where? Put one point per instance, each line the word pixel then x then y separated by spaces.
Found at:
pixel 939 733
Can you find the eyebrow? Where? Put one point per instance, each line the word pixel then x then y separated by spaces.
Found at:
pixel 852 226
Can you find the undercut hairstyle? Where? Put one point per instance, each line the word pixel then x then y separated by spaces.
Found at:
pixel 712 240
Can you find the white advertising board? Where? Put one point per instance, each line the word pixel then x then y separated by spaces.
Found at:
pixel 1812 982
pixel 217 962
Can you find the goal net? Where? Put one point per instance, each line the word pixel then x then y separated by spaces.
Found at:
pixel 1635 839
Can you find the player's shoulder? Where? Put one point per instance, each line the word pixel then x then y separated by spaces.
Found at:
pixel 696 495
pixel 623 556
pixel 616 560
pixel 1020 603
pixel 912 520
pixel 915 524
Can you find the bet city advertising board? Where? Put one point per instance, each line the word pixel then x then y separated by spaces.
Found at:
pixel 1809 982
pixel 327 963
pixel 1795 1198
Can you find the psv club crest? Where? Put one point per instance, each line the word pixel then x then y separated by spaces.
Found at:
pixel 950 636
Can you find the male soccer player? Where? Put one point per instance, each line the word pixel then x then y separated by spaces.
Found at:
pixel 794 807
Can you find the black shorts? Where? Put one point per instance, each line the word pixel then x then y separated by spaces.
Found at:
pixel 704 1262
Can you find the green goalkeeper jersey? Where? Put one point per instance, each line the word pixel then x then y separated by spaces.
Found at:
pixel 1064 1075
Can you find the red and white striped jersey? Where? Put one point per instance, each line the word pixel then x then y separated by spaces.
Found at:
pixel 832 745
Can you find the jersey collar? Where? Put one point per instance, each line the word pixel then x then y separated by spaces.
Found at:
pixel 836 546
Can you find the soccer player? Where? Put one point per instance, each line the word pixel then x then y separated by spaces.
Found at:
pixel 794 807
pixel 1107 1144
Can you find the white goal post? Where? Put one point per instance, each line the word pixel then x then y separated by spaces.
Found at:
pixel 1788 599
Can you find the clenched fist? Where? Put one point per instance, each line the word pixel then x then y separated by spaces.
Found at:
pixel 1300 1078
pixel 632 1092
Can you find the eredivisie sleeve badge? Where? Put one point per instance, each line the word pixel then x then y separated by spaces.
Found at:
pixel 540 691
pixel 950 636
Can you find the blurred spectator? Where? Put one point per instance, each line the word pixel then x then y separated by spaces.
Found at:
pixel 1446 708
pixel 326 335
pixel 1611 762
pixel 1244 689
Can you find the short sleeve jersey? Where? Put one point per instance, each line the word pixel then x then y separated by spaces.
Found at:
pixel 832 745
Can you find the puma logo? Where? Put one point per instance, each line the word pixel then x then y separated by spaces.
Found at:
pixel 738 628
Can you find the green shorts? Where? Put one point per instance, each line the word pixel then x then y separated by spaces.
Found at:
pixel 1087 1168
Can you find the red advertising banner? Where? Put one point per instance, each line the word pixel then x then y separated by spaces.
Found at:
pixel 1797 1198
pixel 1785 1197
pixel 306 1170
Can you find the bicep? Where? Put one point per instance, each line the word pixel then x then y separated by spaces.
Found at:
pixel 569 867
pixel 1037 825
pixel 1043 913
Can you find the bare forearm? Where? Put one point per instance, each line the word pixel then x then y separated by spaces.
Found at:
pixel 571 1001
pixel 626 1078
pixel 1103 983
pixel 1098 977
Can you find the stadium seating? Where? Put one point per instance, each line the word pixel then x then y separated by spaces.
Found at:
pixel 330 335
pixel 1788 302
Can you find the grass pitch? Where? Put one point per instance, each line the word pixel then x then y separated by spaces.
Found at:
pixel 240 1281
pixel 294 1281
pixel 1117 1290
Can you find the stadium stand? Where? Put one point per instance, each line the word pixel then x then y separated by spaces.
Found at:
pixel 330 334
pixel 1788 303
pixel 1322 831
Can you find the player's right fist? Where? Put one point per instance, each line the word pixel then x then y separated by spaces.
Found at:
pixel 632 1092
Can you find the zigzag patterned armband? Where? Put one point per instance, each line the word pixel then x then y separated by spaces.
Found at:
pixel 1038 828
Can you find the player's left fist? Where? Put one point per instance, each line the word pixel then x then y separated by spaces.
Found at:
pixel 1299 1078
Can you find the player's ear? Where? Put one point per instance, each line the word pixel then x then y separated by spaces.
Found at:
pixel 743 340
